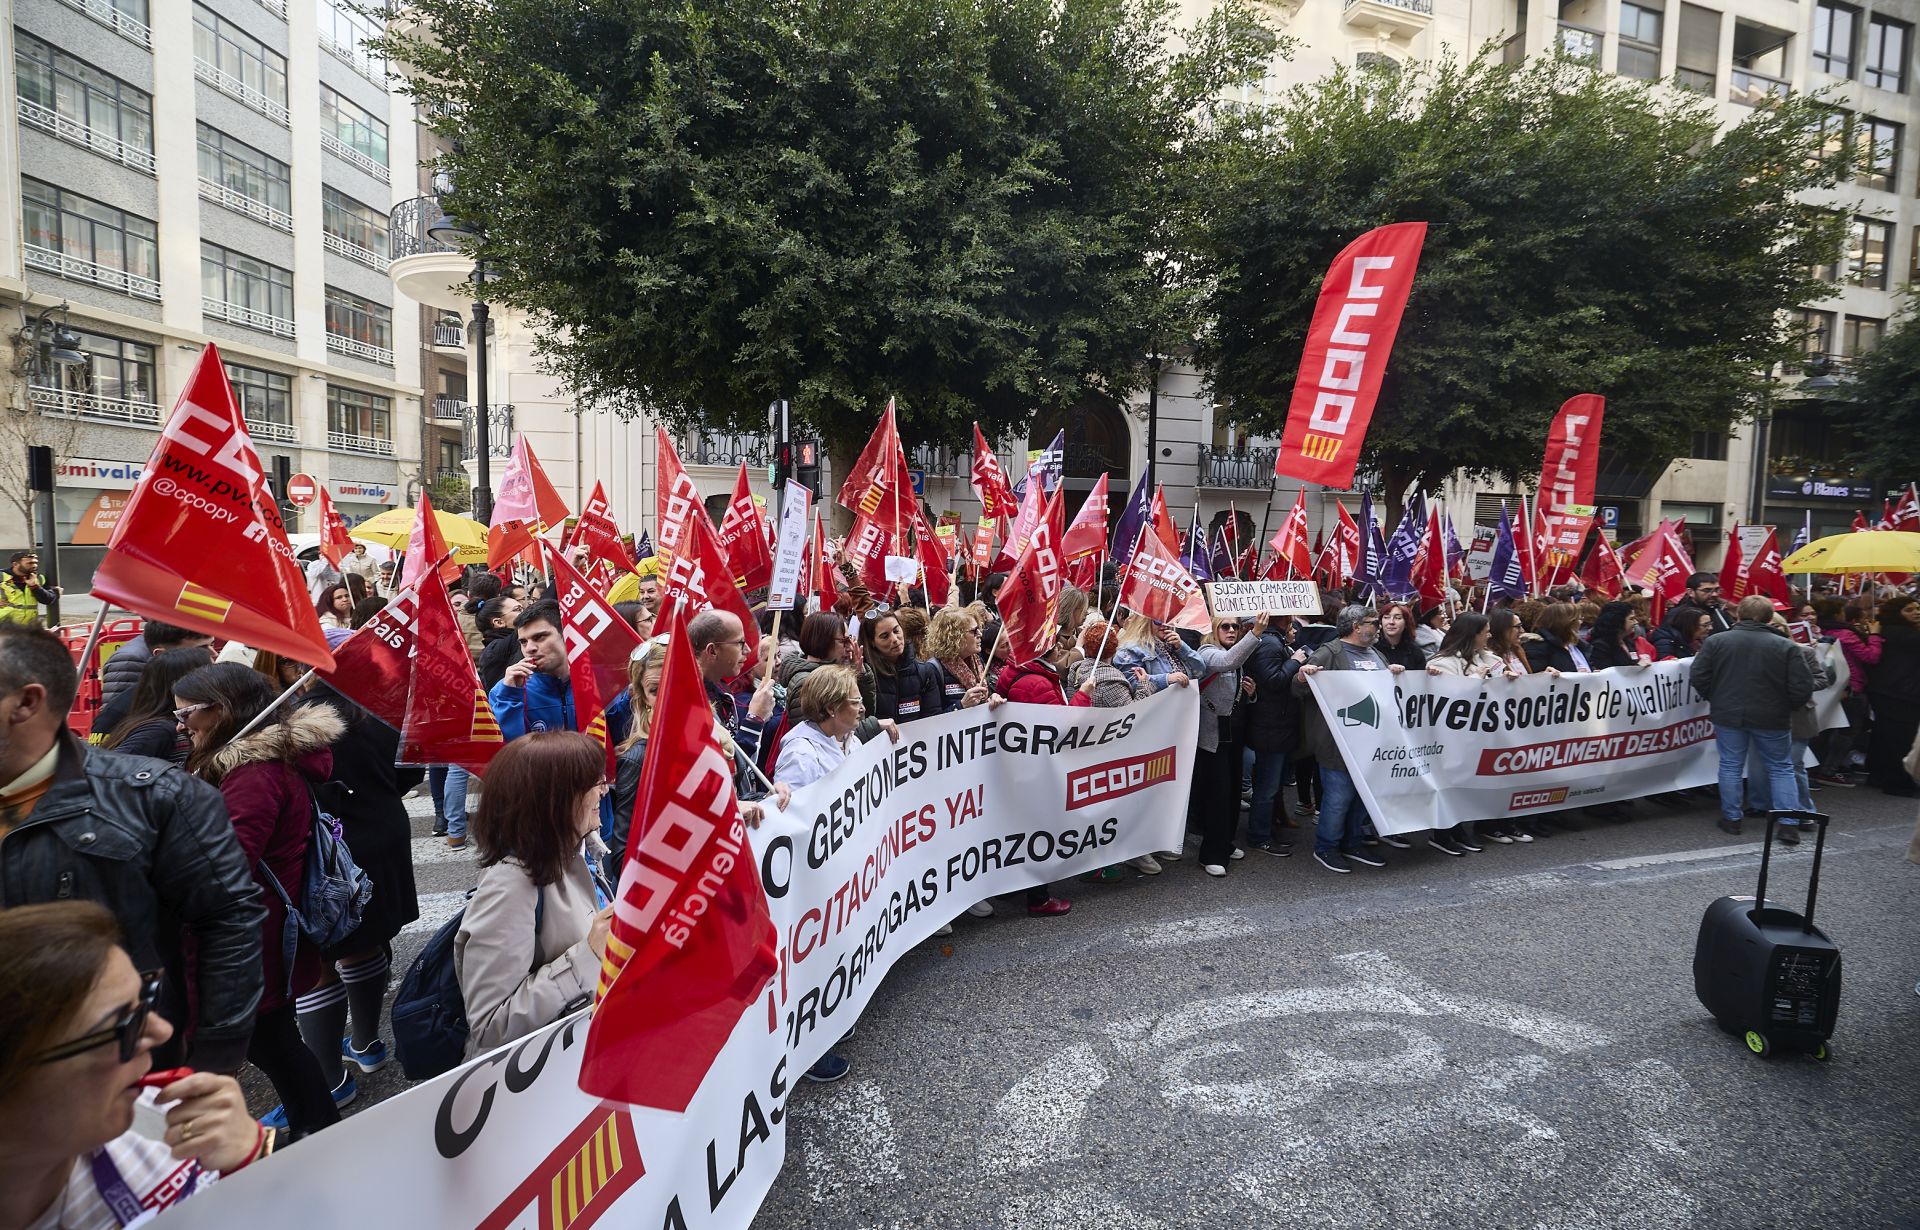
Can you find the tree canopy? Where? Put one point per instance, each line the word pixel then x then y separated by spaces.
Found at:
pixel 966 204
pixel 1586 233
pixel 1879 399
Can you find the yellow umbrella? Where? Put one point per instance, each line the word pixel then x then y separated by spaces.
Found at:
pixel 467 537
pixel 1859 551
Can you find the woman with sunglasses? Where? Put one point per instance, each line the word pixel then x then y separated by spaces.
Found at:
pixel 77 1034
pixel 528 949
pixel 150 729
pixel 266 778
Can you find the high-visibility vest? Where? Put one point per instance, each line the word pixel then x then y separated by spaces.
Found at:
pixel 17 603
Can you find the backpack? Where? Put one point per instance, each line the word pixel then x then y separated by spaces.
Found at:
pixel 334 891
pixel 429 1014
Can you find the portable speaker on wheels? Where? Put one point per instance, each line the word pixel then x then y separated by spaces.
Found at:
pixel 1768 973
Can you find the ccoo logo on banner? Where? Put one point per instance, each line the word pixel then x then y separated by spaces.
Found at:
pixel 860 867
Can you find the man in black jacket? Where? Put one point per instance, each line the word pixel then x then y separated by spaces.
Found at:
pixel 140 837
pixel 1703 594
pixel 1272 732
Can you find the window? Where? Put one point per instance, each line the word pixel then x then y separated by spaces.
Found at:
pixel 1868 242
pixel 1708 446
pixel 344 32
pixel 1817 329
pixel 1640 42
pixel 1761 56
pixel 1879 152
pixel 1863 334
pixel 1833 26
pixel 113 245
pixel 361 320
pixel 1885 64
pixel 223 46
pixel 116 368
pixel 351 222
pixel 450 457
pixel 244 170
pixel 352 125
pixel 244 282
pixel 264 396
pixel 1827 271
pixel 78 92
pixel 1699 51
pixel 353 413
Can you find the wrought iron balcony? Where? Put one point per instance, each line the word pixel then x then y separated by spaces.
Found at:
pixel 131 29
pixel 233 87
pixel 353 157
pixel 942 461
pixel 271 430
pixel 341 344
pixel 712 449
pixel 234 314
pixel 499 433
pixel 353 252
pixel 347 442
pixel 408 226
pixel 1237 468
pixel 65 403
pixel 450 333
pixel 449 408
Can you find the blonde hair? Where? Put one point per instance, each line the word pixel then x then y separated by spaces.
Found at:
pixel 1138 630
pixel 652 661
pixel 946 637
pixel 824 689
pixel 1073 609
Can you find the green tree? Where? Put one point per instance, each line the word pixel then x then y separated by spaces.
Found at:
pixel 1586 233
pixel 967 204
pixel 1879 400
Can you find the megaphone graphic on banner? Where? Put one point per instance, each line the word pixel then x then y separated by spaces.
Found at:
pixel 1362 712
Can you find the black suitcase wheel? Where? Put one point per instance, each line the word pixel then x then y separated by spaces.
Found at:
pixel 1758 1044
pixel 1822 1053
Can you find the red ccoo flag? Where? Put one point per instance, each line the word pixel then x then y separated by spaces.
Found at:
pixel 200 543
pixel 1156 584
pixel 1345 358
pixel 698 577
pixel 1762 573
pixel 1030 598
pixel 599 533
pixel 1733 568
pixel 1162 521
pixel 447 720
pixel 676 500
pixel 1084 545
pixel 820 567
pixel 989 480
pixel 372 667
pixel 743 536
pixel 1663 566
pixel 1602 572
pixel 692 943
pixel 335 544
pixel 426 546
pixel 525 507
pixel 599 646
pixel 1291 544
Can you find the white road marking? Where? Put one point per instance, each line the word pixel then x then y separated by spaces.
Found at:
pixel 428 851
pixel 849 1143
pixel 1039 1119
pixel 1747 850
pixel 435 910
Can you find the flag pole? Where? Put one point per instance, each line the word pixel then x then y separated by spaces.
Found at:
pixel 1266 518
pixel 279 700
pixel 93 638
pixel 1117 608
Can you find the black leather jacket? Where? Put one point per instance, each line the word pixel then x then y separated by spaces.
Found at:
pixel 153 845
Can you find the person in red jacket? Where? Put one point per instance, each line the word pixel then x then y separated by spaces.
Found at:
pixel 1038 683
pixel 266 777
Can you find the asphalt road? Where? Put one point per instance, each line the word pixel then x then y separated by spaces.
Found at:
pixel 1509 1039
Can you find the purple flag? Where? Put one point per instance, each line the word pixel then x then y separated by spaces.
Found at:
pixel 1126 527
pixel 1396 573
pixel 1194 558
pixel 1505 578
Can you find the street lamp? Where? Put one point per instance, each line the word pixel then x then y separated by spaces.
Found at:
pixel 55 344
pixel 454 233
pixel 1153 410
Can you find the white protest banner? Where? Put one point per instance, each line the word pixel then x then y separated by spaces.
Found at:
pixel 859 868
pixel 790 550
pixel 1480 552
pixel 1429 751
pixel 1246 599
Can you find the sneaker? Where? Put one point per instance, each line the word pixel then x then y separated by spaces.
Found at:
pixel 1332 860
pixel 1366 856
pixel 456 842
pixel 1237 854
pixel 1050 907
pixel 1730 827
pixel 1106 875
pixel 1470 844
pixel 1279 849
pixel 1309 813
pixel 1371 839
pixel 1246 794
pixel 440 826
pixel 1214 869
pixel 1505 839
pixel 343 1095
pixel 830 1068
pixel 1146 865
pixel 1787 834
pixel 1445 846
pixel 945 929
pixel 1522 833
pixel 1396 841
pixel 981 909
pixel 1171 856
pixel 374 1058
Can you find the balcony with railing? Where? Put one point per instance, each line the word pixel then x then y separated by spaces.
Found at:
pixel 129 28
pixel 1753 89
pixel 353 157
pixel 66 403
pixel 1401 18
pixel 69 129
pixel 353 251
pixel 1236 468
pixel 347 442
pixel 706 448
pixel 241 203
pixel 235 88
pixel 424 268
pixel 250 318
pixel 277 7
pixel 356 59
pixel 942 461
pixel 499 433
pixel 75 269
pixel 273 431
pixel 449 409
pixel 339 343
pixel 449 335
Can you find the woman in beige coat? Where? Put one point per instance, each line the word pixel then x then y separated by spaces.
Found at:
pixel 529 948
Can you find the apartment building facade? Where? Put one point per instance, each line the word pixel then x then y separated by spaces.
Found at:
pixel 179 172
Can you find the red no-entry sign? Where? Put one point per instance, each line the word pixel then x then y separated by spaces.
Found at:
pixel 301 490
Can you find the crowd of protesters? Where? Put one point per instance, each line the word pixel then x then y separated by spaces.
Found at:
pixel 151 875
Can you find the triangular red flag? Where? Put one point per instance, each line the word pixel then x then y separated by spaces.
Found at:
pixel 676 500
pixel 525 506
pixel 1029 600
pixel 1663 566
pixel 335 544
pixel 822 567
pixel 1602 572
pixel 1733 569
pixel 1086 538
pixel 989 480
pixel 426 545
pixel 873 472
pixel 1032 505
pixel 743 536
pixel 200 543
pixel 1763 574
pixel 934 564
pixel 1163 522
pixel 1290 541
pixel 599 533
pixel 372 667
pixel 1430 562
pixel 447 718
pixel 699 577
pixel 692 943
pixel 1156 584
pixel 599 646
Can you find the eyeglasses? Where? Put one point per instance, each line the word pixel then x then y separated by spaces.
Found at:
pixel 181 715
pixel 126 1031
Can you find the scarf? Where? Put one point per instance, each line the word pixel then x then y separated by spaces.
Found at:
pixel 965 671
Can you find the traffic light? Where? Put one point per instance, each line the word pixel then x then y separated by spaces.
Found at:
pixel 807 465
